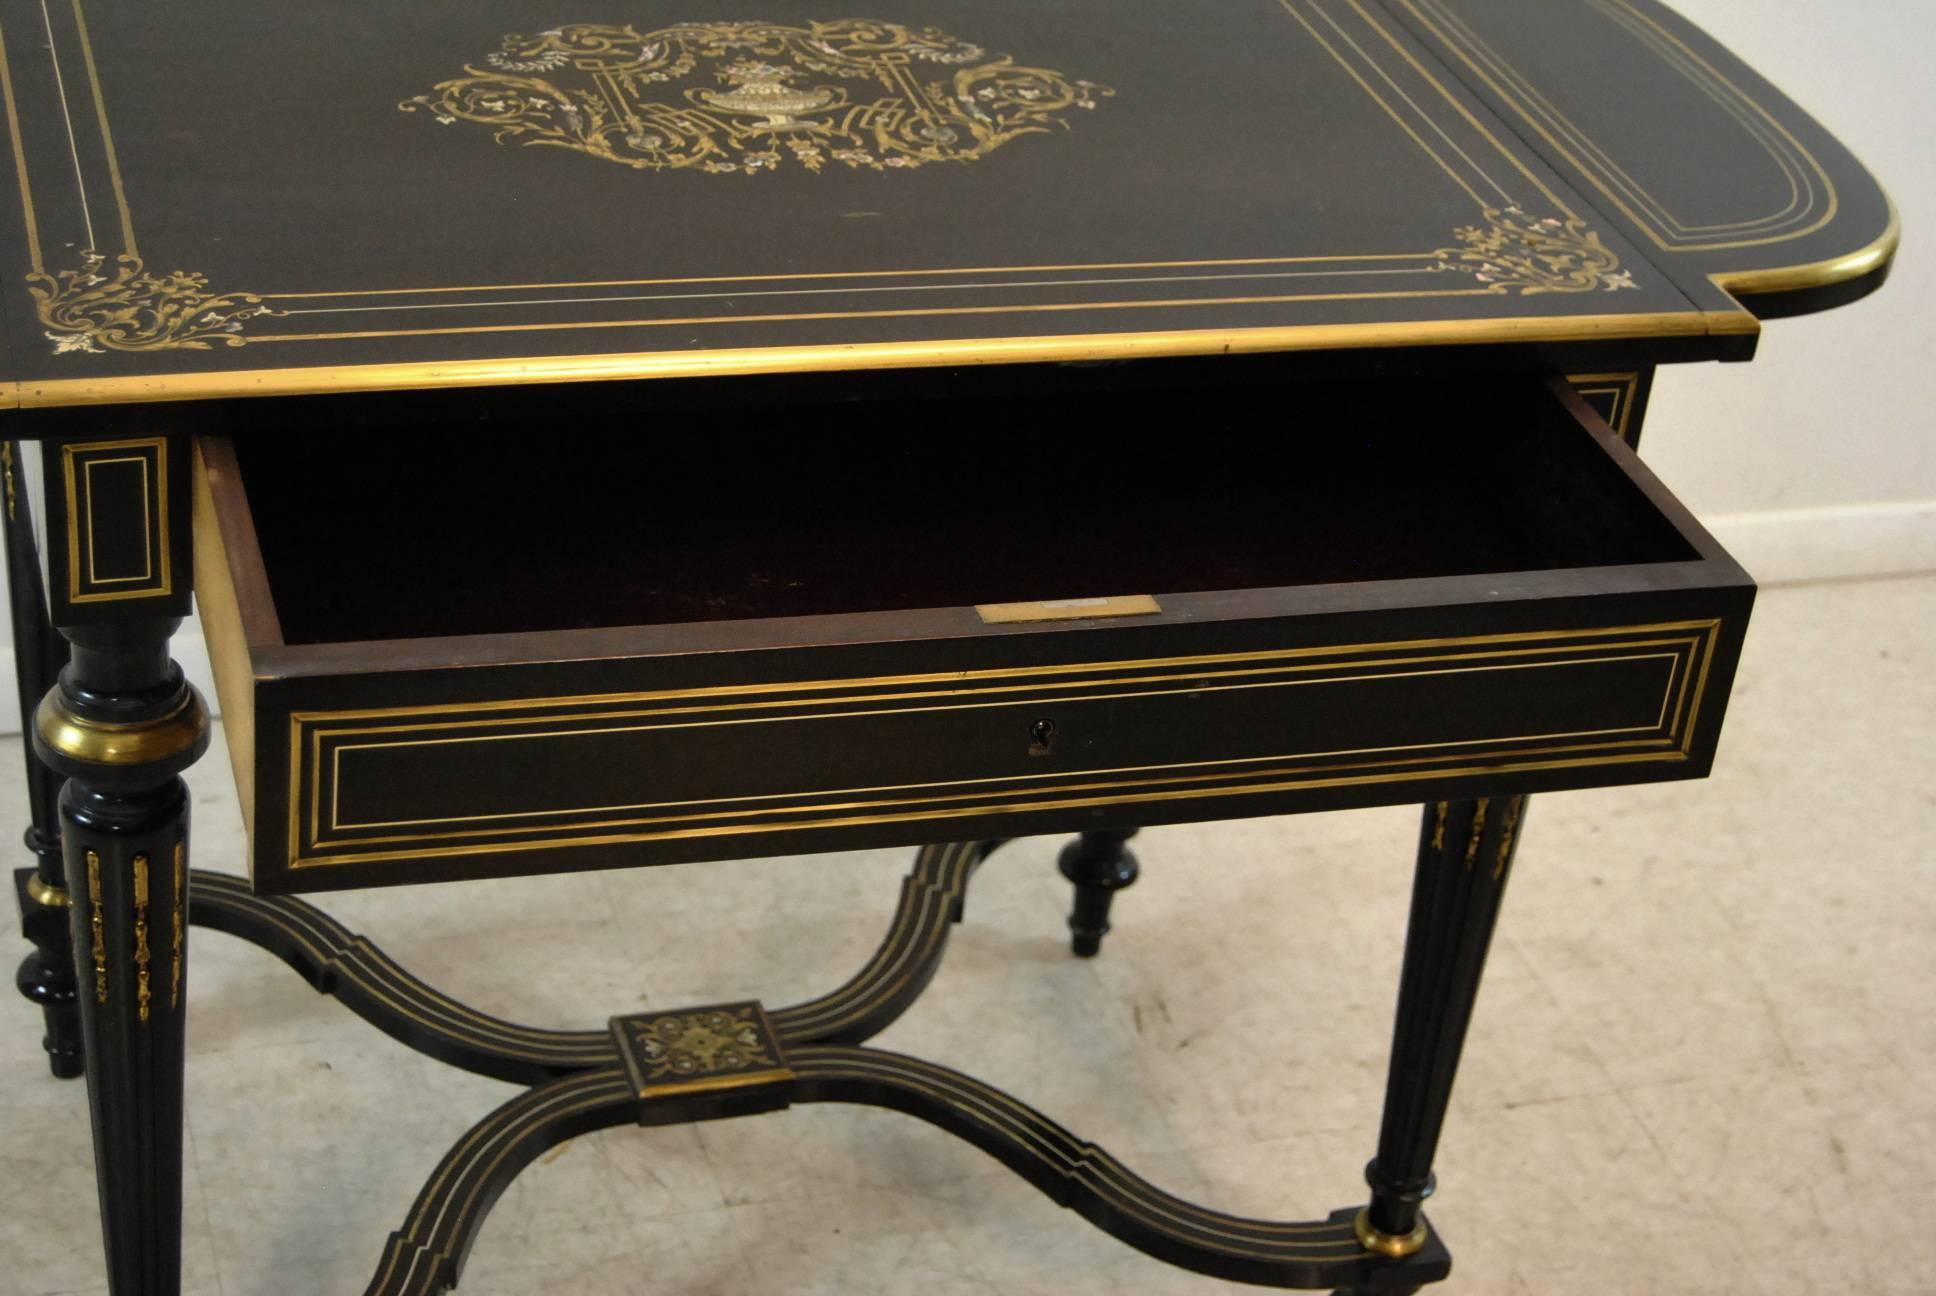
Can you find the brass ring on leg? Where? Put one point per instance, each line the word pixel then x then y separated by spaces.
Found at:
pixel 182 731
pixel 1397 1246
pixel 46 894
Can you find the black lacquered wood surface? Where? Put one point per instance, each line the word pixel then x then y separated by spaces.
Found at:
pixel 243 198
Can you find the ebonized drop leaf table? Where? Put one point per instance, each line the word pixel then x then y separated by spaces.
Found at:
pixel 609 439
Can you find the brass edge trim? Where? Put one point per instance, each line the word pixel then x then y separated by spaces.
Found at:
pixel 419 375
pixel 46 894
pixel 692 1088
pixel 218 603
pixel 1067 609
pixel 95 743
pixel 1519 100
pixel 1386 1244
pixel 1818 274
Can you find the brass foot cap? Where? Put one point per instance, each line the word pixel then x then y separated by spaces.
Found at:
pixel 1386 1244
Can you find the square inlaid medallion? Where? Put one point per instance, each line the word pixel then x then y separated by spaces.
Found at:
pixel 698 1050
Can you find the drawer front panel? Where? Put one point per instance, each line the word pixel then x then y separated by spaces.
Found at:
pixel 413 783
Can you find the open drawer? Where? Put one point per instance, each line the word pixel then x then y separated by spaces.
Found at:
pixel 483 651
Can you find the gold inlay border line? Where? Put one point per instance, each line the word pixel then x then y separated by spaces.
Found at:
pixel 1623 387
pixel 1602 171
pixel 1685 709
pixel 1806 276
pixel 242 306
pixel 1194 684
pixel 147 521
pixel 80 519
pixel 1864 261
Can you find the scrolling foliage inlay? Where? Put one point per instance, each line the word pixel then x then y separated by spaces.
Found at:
pixel 122 307
pixel 1514 252
pixel 868 95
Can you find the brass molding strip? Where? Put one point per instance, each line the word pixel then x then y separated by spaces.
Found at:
pixel 95 742
pixel 1818 274
pixel 1065 348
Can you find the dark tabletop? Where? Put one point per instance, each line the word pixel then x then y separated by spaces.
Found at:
pixel 244 196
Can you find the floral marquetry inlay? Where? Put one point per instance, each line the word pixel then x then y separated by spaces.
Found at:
pixel 1515 252
pixel 120 306
pixel 746 97
pixel 696 1049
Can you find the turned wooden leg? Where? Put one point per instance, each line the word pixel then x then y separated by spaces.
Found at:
pixel 1465 856
pixel 121 726
pixel 46 976
pixel 1100 866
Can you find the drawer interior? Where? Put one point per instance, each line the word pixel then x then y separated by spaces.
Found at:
pixel 385 532
pixel 505 645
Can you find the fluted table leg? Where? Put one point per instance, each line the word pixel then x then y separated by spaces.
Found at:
pixel 121 726
pixel 1465 857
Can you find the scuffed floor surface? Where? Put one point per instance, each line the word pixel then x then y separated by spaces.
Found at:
pixel 1701 1063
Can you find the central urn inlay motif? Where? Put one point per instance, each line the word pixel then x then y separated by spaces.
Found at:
pixel 868 95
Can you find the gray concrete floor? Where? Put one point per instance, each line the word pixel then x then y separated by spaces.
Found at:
pixel 1701 1063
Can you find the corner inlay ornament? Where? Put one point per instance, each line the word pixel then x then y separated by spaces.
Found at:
pixel 1514 251
pixel 868 95
pixel 696 1050
pixel 119 306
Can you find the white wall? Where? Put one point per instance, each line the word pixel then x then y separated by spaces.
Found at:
pixel 1815 461
pixel 1819 459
